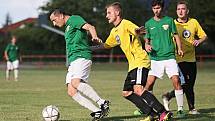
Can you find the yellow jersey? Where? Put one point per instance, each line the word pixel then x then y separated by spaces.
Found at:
pixel 124 35
pixel 187 32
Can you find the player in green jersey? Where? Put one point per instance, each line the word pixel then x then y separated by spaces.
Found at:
pixel 159 43
pixel 79 57
pixel 12 56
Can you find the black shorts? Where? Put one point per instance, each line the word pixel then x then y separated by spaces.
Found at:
pixel 137 76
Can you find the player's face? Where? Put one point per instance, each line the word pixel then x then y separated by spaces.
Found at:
pixel 57 20
pixel 182 11
pixel 13 41
pixel 111 14
pixel 157 10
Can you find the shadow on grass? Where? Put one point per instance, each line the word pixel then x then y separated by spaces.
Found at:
pixel 204 113
pixel 119 118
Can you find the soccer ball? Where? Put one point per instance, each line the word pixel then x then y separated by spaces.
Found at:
pixel 51 113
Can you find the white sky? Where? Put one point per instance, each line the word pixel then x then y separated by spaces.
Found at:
pixel 19 9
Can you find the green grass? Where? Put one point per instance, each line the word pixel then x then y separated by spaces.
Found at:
pixel 37 88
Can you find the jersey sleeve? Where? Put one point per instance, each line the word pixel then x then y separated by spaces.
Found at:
pixel 173 27
pixel 147 35
pixel 111 41
pixel 7 48
pixel 199 31
pixel 78 21
pixel 131 28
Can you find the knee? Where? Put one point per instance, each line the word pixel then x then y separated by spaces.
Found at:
pixel 176 82
pixel 138 91
pixel 126 93
pixel 71 91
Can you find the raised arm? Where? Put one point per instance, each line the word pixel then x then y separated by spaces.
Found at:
pixel 92 31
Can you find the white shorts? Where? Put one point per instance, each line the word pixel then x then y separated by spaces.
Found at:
pixel 158 67
pixel 79 68
pixel 12 65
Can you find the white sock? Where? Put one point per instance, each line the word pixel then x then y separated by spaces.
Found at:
pixel 179 99
pixel 85 102
pixel 16 72
pixel 90 92
pixel 7 74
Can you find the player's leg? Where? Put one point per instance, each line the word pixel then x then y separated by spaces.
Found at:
pixel 9 68
pixel 173 74
pixel 169 95
pixel 84 68
pixel 16 69
pixel 190 69
pixel 128 93
pixel 74 79
pixel 146 95
pixel 140 79
pixel 74 93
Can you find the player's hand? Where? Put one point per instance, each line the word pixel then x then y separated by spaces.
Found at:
pixel 180 53
pixel 148 47
pixel 97 40
pixel 140 30
pixel 195 43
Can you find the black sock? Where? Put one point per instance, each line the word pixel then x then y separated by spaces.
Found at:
pixel 171 94
pixel 153 102
pixel 141 104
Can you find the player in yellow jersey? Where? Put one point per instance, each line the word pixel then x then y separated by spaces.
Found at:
pixel 187 28
pixel 124 35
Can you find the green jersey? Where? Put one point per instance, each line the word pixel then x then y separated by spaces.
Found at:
pixel 12 52
pixel 77 44
pixel 160 33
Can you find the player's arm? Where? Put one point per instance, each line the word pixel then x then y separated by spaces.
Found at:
pixel 109 43
pixel 6 56
pixel 196 42
pixel 148 47
pixel 178 44
pixel 6 53
pixel 100 46
pixel 140 31
pixel 92 31
pixel 201 34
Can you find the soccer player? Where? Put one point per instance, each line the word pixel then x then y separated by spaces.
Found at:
pixel 12 57
pixel 124 35
pixel 188 29
pixel 79 57
pixel 159 44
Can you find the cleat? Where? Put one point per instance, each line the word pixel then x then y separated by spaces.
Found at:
pixel 194 112
pixel 105 108
pixel 138 113
pixel 150 118
pixel 97 115
pixel 166 116
pixel 165 101
pixel 180 114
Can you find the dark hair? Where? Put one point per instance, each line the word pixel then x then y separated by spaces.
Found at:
pixel 117 6
pixel 183 2
pixel 158 2
pixel 58 11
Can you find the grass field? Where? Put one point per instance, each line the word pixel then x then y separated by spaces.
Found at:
pixel 37 88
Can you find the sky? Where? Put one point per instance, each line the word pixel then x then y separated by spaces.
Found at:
pixel 19 9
